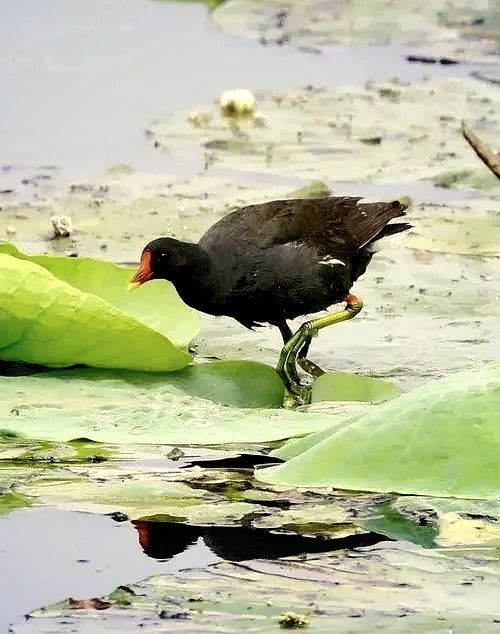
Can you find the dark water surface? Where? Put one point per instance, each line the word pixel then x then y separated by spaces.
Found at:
pixel 47 555
pixel 79 82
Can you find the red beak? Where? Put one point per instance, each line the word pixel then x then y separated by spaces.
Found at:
pixel 143 273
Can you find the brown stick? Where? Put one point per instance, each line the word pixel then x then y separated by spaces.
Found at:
pixel 489 158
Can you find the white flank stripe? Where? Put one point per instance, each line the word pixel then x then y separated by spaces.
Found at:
pixel 331 261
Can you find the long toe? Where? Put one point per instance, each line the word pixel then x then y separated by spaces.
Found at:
pixel 310 367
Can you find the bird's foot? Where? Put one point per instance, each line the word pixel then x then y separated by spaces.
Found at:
pixel 310 367
pixel 290 354
pixel 296 396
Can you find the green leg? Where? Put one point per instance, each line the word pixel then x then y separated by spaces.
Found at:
pixel 287 368
pixel 308 366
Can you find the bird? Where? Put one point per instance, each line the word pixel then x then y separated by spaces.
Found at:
pixel 275 261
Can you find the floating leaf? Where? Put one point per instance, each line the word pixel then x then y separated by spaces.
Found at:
pixel 46 321
pixel 399 527
pixel 342 386
pixel 9 501
pixel 315 131
pixel 121 407
pixel 235 383
pixel 298 446
pixel 469 228
pixel 360 22
pixel 143 495
pixel 424 442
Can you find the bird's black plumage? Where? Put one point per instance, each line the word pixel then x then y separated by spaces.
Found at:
pixel 275 261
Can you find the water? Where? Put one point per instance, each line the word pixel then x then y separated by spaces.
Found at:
pixel 47 555
pixel 80 81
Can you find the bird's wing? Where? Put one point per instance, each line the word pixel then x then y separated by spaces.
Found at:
pixel 326 223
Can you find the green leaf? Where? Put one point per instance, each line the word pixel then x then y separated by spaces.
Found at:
pixel 338 386
pixel 10 501
pixel 46 321
pixel 138 497
pixel 343 386
pixel 298 446
pixel 398 527
pixel 121 407
pixel 235 383
pixel 155 304
pixel 315 189
pixel 425 442
pixel 430 521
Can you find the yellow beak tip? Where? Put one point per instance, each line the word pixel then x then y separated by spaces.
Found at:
pixel 133 285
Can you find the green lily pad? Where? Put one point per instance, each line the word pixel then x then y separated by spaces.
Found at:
pixel 315 189
pixel 431 521
pixel 425 442
pixel 9 501
pixel 235 383
pixel 123 408
pixel 342 386
pixel 22 451
pixel 310 518
pixel 137 496
pixel 399 527
pixel 472 228
pixel 298 446
pixel 59 311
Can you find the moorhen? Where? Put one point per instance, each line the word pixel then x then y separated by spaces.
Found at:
pixel 275 261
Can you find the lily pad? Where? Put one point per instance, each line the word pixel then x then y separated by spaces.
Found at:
pixel 433 522
pixel 235 383
pixel 316 131
pixel 120 408
pixel 425 442
pixel 342 386
pixel 311 23
pixel 297 446
pixel 140 496
pixel 310 518
pixel 10 500
pixel 470 228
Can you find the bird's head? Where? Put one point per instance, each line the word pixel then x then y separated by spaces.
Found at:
pixel 167 259
pixel 155 262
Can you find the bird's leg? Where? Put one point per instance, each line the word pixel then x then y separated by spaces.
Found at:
pixel 292 396
pixel 287 334
pixel 286 367
pixel 308 366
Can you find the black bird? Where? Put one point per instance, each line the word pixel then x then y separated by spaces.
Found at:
pixel 275 261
